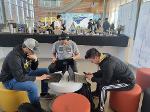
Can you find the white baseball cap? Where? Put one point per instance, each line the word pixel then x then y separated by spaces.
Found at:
pixel 32 44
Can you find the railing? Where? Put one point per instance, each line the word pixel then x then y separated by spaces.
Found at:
pixel 64 7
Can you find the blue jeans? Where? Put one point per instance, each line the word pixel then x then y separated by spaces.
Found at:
pixel 29 86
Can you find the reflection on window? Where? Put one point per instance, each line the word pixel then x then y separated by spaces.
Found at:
pixel 14 12
pixel 1 13
pixel 8 11
pixel 19 10
pixel 50 3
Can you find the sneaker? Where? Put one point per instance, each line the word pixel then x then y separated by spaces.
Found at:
pixel 98 110
pixel 47 96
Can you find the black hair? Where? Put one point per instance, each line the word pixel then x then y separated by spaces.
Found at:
pixel 92 53
pixel 64 36
pixel 23 46
pixel 58 16
pixel 106 19
pixel 27 107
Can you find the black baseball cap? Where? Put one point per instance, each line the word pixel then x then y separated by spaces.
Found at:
pixel 64 36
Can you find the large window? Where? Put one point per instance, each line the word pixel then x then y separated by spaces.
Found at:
pixel 19 10
pixel 1 13
pixel 14 12
pixel 8 10
pixel 50 3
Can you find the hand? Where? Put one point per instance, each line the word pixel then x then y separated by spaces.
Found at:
pixel 32 57
pixel 89 76
pixel 43 77
pixel 73 58
pixel 88 73
pixel 53 60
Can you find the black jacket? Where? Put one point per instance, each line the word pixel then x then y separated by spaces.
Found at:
pixel 106 26
pixel 17 65
pixel 112 70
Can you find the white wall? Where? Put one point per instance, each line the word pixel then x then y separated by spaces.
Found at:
pixel 45 50
pixel 4 51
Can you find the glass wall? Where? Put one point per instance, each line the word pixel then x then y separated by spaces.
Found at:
pixel 19 11
pixel 113 9
pixel 1 13
pixel 50 3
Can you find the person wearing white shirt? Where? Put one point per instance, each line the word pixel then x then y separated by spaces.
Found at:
pixel 58 22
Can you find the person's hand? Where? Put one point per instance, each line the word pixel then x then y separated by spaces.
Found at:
pixel 88 73
pixel 32 57
pixel 76 56
pixel 43 77
pixel 89 76
pixel 53 60
pixel 73 58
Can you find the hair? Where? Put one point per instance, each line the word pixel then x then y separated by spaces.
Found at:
pixel 23 46
pixel 92 53
pixel 106 19
pixel 27 107
pixel 64 36
pixel 58 16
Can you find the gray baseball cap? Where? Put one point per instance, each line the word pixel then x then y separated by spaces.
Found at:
pixel 32 44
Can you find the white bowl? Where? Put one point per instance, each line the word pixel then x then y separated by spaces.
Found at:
pixel 65 87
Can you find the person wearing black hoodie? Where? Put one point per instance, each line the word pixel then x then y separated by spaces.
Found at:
pixel 20 70
pixel 113 75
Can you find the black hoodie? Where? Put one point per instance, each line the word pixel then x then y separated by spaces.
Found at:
pixel 112 70
pixel 16 65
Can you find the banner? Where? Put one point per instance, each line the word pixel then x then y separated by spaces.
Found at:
pixel 47 19
pixel 79 19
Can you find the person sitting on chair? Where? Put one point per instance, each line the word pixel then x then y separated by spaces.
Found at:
pixel 65 52
pixel 20 70
pixel 113 75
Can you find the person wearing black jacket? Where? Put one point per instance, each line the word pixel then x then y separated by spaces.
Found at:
pixel 113 75
pixel 106 25
pixel 19 70
pixel 90 24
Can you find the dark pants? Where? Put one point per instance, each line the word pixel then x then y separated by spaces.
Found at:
pixel 62 65
pixel 86 91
